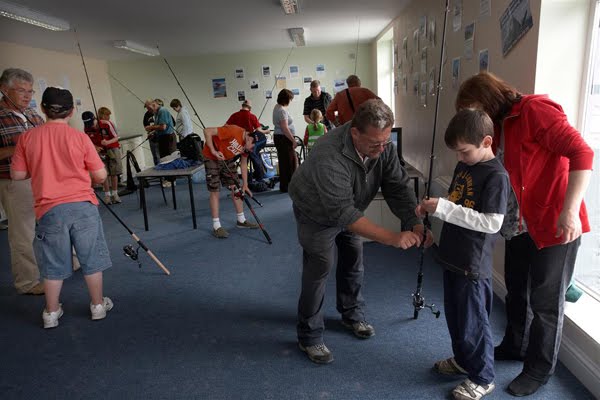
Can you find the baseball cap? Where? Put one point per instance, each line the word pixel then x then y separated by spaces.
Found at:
pixel 57 99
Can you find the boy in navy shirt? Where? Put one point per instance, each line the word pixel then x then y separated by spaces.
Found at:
pixel 472 213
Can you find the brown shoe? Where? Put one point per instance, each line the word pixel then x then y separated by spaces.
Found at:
pixel 37 290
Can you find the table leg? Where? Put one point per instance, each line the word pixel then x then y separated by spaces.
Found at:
pixel 173 194
pixel 143 201
pixel 192 201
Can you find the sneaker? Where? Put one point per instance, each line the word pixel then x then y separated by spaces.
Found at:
pixel 449 366
pixel 469 390
pixel 115 199
pixel 246 225
pixel 361 329
pixel 166 184
pixel 107 200
pixel 99 310
pixel 220 233
pixel 51 318
pixel 318 353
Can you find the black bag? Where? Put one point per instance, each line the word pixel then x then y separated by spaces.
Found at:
pixel 190 147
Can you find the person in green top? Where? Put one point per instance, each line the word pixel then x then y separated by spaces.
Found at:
pixel 314 130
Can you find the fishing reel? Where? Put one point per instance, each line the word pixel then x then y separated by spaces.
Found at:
pixel 419 304
pixel 132 253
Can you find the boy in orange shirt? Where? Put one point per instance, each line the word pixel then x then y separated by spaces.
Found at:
pixel 223 145
pixel 60 161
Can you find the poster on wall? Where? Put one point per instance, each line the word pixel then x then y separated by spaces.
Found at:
pixel 431 81
pixel 266 71
pixel 296 91
pixel 253 84
pixel 424 60
pixel 484 60
pixel 320 69
pixel 469 39
pixel 42 84
pixel 219 88
pixel 405 84
pixel 485 8
pixel 431 33
pixel 294 71
pixel 415 88
pixel 241 95
pixel 455 72
pixel 416 41
pixel 339 85
pixel 268 94
pixel 423 93
pixel 280 82
pixel 423 27
pixel 457 16
pixel 239 73
pixel 514 24
pixel 306 81
pixel 405 48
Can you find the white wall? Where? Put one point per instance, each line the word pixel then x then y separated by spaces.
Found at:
pixel 60 69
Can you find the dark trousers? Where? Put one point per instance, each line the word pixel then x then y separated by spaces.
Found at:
pixel 319 244
pixel 166 144
pixel 258 168
pixel 536 281
pixel 468 304
pixel 287 160
pixel 154 151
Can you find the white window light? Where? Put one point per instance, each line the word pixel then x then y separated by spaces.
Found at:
pixel 297 35
pixel 136 47
pixel 289 6
pixel 29 16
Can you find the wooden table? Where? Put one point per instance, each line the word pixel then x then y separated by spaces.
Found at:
pixel 170 175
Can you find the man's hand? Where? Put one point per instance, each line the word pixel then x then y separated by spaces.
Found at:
pixel 418 229
pixel 405 240
pixel 568 226
pixel 246 190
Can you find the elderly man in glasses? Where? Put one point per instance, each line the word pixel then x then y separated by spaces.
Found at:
pixel 16 117
pixel 330 191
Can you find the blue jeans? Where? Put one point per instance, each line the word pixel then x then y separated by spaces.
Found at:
pixel 66 226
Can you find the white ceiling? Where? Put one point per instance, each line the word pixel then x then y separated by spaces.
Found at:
pixel 184 28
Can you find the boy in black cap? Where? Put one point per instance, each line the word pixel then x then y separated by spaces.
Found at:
pixel 60 161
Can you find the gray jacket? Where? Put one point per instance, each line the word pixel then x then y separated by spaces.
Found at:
pixel 333 187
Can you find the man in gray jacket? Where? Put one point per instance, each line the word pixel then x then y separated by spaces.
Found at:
pixel 330 191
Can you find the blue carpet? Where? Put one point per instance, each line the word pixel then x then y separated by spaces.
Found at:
pixel 222 326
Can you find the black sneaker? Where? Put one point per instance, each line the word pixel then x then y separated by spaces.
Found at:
pixel 318 353
pixel 361 329
pixel 523 385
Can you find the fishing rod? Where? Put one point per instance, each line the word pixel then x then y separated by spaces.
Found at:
pixel 418 299
pixel 184 92
pixel 356 53
pixel 136 96
pixel 275 84
pixel 129 252
pixel 238 192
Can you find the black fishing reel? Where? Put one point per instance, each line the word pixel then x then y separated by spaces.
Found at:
pixel 419 304
pixel 132 253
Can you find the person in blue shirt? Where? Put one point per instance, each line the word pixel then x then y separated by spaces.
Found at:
pixel 163 129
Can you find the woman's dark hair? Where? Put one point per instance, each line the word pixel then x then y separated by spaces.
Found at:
pixel 489 93
pixel 284 97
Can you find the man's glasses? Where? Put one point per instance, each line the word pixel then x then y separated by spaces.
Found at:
pixel 378 145
pixel 22 91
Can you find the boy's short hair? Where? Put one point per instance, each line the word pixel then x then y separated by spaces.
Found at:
pixel 57 103
pixel 468 126
pixel 102 111
pixel 175 103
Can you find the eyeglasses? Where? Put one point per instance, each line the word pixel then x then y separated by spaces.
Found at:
pixel 378 145
pixel 22 91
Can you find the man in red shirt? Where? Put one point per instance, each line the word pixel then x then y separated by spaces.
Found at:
pixel 62 163
pixel 223 145
pixel 347 101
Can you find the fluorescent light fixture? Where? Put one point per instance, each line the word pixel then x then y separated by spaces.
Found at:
pixel 29 16
pixel 136 47
pixel 297 35
pixel 289 6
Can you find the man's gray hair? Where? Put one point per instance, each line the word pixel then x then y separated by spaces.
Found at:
pixel 372 113
pixel 12 74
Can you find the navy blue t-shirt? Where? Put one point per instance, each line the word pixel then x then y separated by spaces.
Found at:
pixel 483 187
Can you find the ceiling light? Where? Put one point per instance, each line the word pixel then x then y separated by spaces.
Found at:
pixel 32 17
pixel 289 6
pixel 136 47
pixel 297 35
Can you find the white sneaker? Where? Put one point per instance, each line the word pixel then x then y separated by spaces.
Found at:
pixel 469 390
pixel 99 310
pixel 51 318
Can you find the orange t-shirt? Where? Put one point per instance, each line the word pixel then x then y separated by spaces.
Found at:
pixel 229 141
pixel 58 159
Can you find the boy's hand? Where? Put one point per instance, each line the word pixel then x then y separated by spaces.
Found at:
pixel 427 206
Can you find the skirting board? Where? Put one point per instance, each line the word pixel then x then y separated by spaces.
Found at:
pixel 575 348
